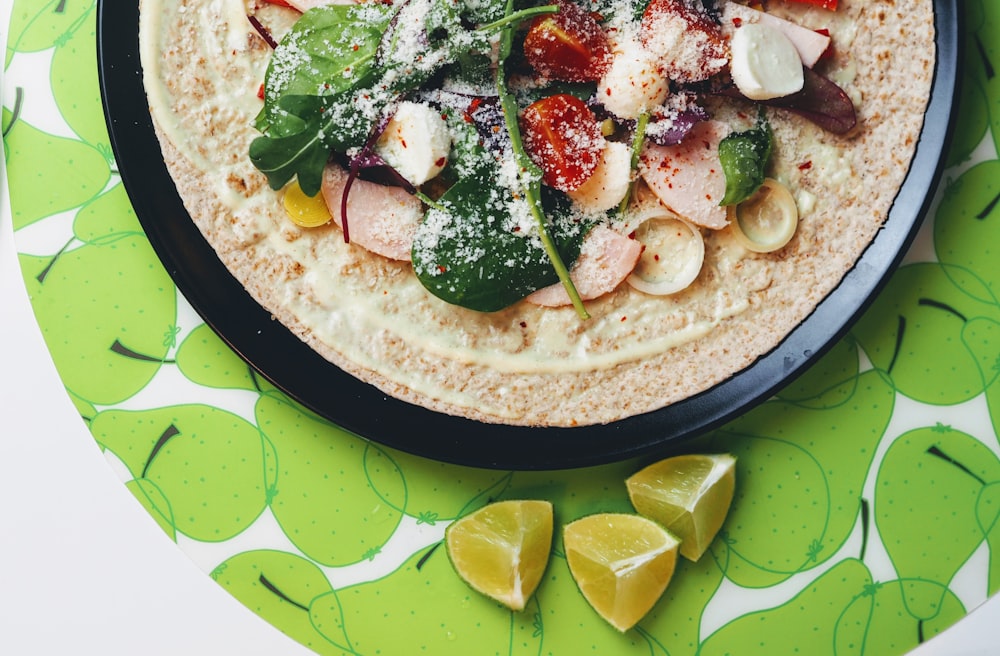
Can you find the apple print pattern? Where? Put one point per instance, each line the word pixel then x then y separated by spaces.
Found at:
pixel 866 513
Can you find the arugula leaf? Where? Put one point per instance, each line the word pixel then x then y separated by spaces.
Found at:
pixel 468 253
pixel 329 123
pixel 330 49
pixel 744 156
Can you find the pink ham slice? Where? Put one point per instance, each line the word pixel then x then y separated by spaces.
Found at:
pixel 688 178
pixel 380 219
pixel 606 259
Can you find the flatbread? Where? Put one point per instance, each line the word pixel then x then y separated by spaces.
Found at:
pixel 528 365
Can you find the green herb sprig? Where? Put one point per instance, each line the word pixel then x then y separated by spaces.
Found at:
pixel 532 173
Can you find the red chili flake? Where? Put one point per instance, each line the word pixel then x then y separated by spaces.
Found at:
pixel 524 324
pixel 805 166
pixel 440 161
pixel 355 47
pixel 442 268
pixel 737 22
pixel 656 257
pixel 260 91
pixel 608 91
pixel 471 109
pixel 403 142
pixel 623 319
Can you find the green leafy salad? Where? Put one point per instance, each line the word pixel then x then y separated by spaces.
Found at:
pixel 544 120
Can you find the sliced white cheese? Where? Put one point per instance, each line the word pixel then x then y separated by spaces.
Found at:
pixel 610 181
pixel 764 63
pixel 416 142
pixel 808 43
pixel 634 82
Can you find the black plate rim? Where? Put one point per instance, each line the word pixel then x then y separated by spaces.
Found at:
pixel 280 357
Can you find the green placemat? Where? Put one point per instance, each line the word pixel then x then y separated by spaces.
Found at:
pixel 867 498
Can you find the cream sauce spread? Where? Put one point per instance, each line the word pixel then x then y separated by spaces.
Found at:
pixel 361 308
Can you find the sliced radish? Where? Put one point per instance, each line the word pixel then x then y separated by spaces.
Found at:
pixel 767 220
pixel 809 44
pixel 381 219
pixel 606 260
pixel 672 256
pixel 688 178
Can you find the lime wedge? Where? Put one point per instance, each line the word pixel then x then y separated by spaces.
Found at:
pixel 689 494
pixel 501 550
pixel 622 563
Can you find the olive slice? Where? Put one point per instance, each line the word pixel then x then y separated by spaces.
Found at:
pixel 672 255
pixel 767 220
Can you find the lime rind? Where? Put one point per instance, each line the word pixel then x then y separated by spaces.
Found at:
pixel 502 549
pixel 621 563
pixel 690 495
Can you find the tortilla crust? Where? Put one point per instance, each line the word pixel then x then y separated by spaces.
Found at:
pixel 202 68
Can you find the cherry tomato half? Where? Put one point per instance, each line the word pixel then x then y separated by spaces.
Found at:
pixel 702 46
pixel 569 45
pixel 562 136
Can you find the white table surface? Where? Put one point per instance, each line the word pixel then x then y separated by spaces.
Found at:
pixel 74 544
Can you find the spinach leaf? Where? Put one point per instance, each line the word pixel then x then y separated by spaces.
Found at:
pixel 468 251
pixel 329 50
pixel 744 156
pixel 422 39
pixel 329 123
pixel 482 11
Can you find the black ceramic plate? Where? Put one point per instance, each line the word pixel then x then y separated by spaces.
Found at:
pixel 295 368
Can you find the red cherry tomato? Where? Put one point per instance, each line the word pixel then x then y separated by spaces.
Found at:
pixel 701 48
pixel 569 45
pixel 563 138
